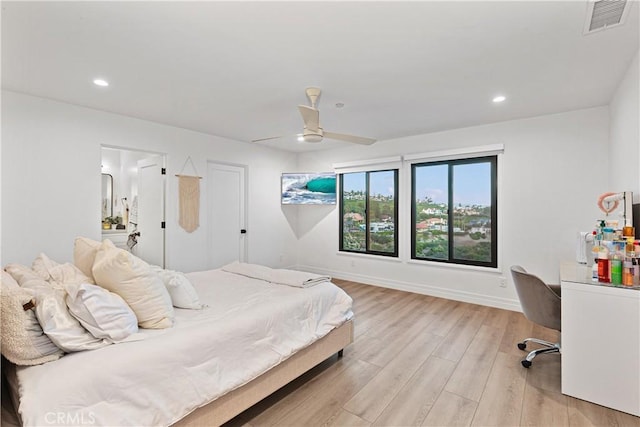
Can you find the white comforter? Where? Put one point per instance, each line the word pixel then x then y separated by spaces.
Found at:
pixel 299 279
pixel 249 327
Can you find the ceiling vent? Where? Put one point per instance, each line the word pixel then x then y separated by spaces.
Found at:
pixel 604 14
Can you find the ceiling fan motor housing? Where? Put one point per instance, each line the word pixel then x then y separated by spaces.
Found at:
pixel 312 136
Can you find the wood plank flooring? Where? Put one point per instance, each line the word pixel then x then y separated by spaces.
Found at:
pixel 418 360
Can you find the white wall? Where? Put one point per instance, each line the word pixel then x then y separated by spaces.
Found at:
pixel 51 155
pixel 624 148
pixel 553 169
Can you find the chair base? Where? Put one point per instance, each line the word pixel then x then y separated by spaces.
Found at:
pixel 547 347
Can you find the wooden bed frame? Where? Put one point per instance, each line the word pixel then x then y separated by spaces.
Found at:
pixel 236 401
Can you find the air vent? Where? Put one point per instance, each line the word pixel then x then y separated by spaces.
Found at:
pixel 604 14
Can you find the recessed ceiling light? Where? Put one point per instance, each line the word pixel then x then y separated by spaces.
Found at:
pixel 300 138
pixel 100 82
pixel 499 98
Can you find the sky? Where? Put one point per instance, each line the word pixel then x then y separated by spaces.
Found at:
pixel 380 182
pixel 472 183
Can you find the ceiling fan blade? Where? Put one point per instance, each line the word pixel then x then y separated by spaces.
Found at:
pixel 349 138
pixel 266 139
pixel 310 116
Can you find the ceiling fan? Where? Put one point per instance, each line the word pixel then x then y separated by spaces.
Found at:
pixel 312 131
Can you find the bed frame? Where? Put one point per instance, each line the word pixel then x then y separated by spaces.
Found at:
pixel 236 401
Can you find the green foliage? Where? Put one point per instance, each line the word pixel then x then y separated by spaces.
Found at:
pixel 477 235
pixel 113 219
pixel 382 241
pixel 354 241
pixel 478 252
pixel 433 248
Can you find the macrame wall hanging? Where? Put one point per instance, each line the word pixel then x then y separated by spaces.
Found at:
pixel 189 198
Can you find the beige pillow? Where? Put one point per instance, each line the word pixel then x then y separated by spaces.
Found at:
pixel 23 341
pixel 130 277
pixel 84 255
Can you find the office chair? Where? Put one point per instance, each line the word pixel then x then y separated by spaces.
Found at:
pixel 540 304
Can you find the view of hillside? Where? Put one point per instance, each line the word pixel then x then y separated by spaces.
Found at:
pixel 381 222
pixel 471 213
pixel 471 231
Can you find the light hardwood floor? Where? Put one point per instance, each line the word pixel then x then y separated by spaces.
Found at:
pixel 420 360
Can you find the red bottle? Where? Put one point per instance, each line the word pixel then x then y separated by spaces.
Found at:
pixel 603 268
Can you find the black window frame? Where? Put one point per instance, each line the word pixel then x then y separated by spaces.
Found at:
pixel 341 248
pixel 493 160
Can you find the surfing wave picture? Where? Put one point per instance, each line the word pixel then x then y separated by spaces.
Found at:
pixel 309 188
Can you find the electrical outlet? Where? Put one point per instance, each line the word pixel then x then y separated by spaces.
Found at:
pixel 353 263
pixel 503 282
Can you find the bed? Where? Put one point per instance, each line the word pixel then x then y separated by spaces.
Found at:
pixel 252 338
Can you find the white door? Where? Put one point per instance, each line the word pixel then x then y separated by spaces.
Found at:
pixel 150 245
pixel 226 212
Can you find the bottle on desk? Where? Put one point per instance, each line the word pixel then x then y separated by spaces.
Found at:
pixel 594 271
pixel 616 270
pixel 603 265
pixel 627 273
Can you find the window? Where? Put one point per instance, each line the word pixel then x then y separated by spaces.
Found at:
pixel 454 211
pixel 369 212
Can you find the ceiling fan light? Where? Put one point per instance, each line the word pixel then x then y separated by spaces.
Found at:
pixel 312 138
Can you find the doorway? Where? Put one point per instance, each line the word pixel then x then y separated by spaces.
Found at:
pixel 138 202
pixel 226 209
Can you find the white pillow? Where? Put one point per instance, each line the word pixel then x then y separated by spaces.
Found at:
pixel 59 274
pixel 23 341
pixel 182 292
pixel 130 277
pixel 42 264
pixel 84 255
pixel 21 273
pixel 61 327
pixel 106 315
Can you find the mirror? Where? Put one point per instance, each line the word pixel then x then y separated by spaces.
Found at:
pixel 107 195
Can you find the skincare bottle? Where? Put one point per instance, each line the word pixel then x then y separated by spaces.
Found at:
pixel 627 273
pixel 616 270
pixel 603 266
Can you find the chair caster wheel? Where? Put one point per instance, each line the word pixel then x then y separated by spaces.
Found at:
pixel 522 345
pixel 526 363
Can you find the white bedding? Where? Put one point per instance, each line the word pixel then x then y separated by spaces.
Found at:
pixel 249 327
pixel 281 276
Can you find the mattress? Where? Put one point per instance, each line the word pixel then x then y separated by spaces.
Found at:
pixel 248 327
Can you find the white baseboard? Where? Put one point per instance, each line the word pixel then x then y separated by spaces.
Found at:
pixel 420 288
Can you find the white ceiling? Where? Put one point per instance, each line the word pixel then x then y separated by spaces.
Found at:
pixel 239 69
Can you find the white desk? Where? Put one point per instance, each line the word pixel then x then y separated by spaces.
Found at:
pixel 600 340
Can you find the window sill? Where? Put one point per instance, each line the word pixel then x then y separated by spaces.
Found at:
pixel 370 256
pixel 455 266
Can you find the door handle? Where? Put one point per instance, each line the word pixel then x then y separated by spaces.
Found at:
pixel 243 231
